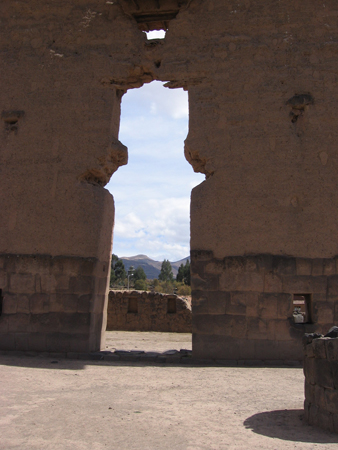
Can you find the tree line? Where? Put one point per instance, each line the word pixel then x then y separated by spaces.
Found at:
pixel 137 279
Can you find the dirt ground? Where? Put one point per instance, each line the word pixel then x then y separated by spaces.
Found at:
pixel 147 341
pixel 62 404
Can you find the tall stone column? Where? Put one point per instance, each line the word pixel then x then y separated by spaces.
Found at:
pixel 59 148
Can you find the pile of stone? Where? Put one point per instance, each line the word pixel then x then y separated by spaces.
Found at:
pixel 321 379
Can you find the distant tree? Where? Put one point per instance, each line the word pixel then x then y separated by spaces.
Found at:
pixel 166 273
pixel 165 287
pixel 139 274
pixel 183 274
pixel 184 289
pixel 114 259
pixel 187 270
pixel 180 273
pixel 140 285
pixel 118 272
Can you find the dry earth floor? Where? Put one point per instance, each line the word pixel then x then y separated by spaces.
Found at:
pixel 61 404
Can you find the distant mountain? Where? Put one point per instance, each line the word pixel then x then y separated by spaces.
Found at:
pixel 151 267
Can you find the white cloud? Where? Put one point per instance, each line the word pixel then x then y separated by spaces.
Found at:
pixel 153 108
pixel 156 227
pixel 152 193
pixel 144 130
pixel 171 103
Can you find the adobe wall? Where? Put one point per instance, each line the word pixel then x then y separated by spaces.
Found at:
pixel 52 303
pixel 263 91
pixel 321 381
pixel 58 148
pixel 243 306
pixel 148 311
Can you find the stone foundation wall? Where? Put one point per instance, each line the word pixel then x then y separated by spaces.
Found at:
pixel 148 311
pixel 243 306
pixel 321 382
pixel 52 304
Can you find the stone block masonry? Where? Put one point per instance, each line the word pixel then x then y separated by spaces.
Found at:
pixel 148 311
pixel 243 307
pixel 321 381
pixel 52 304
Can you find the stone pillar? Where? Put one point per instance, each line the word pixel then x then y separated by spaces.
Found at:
pixel 257 235
pixel 321 381
pixel 59 148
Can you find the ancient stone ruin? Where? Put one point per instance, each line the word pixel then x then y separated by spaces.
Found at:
pixel 321 380
pixel 262 82
pixel 148 311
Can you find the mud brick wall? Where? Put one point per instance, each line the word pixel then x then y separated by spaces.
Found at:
pixel 242 306
pixel 148 311
pixel 321 383
pixel 263 108
pixel 51 304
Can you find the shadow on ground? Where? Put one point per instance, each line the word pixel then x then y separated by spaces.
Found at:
pixel 56 362
pixel 289 425
pixel 177 358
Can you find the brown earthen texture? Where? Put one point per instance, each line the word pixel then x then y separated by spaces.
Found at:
pixel 321 382
pixel 262 83
pixel 243 306
pixel 148 311
pixel 52 304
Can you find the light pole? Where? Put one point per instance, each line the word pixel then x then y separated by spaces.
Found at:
pixel 130 274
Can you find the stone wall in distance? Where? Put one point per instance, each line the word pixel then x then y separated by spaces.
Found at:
pixel 148 311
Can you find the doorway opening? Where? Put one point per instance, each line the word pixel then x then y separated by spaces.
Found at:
pixel 152 204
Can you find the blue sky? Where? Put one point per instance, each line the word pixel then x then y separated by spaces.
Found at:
pixel 152 193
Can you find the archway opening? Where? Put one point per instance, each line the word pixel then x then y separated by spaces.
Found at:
pixel 152 203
